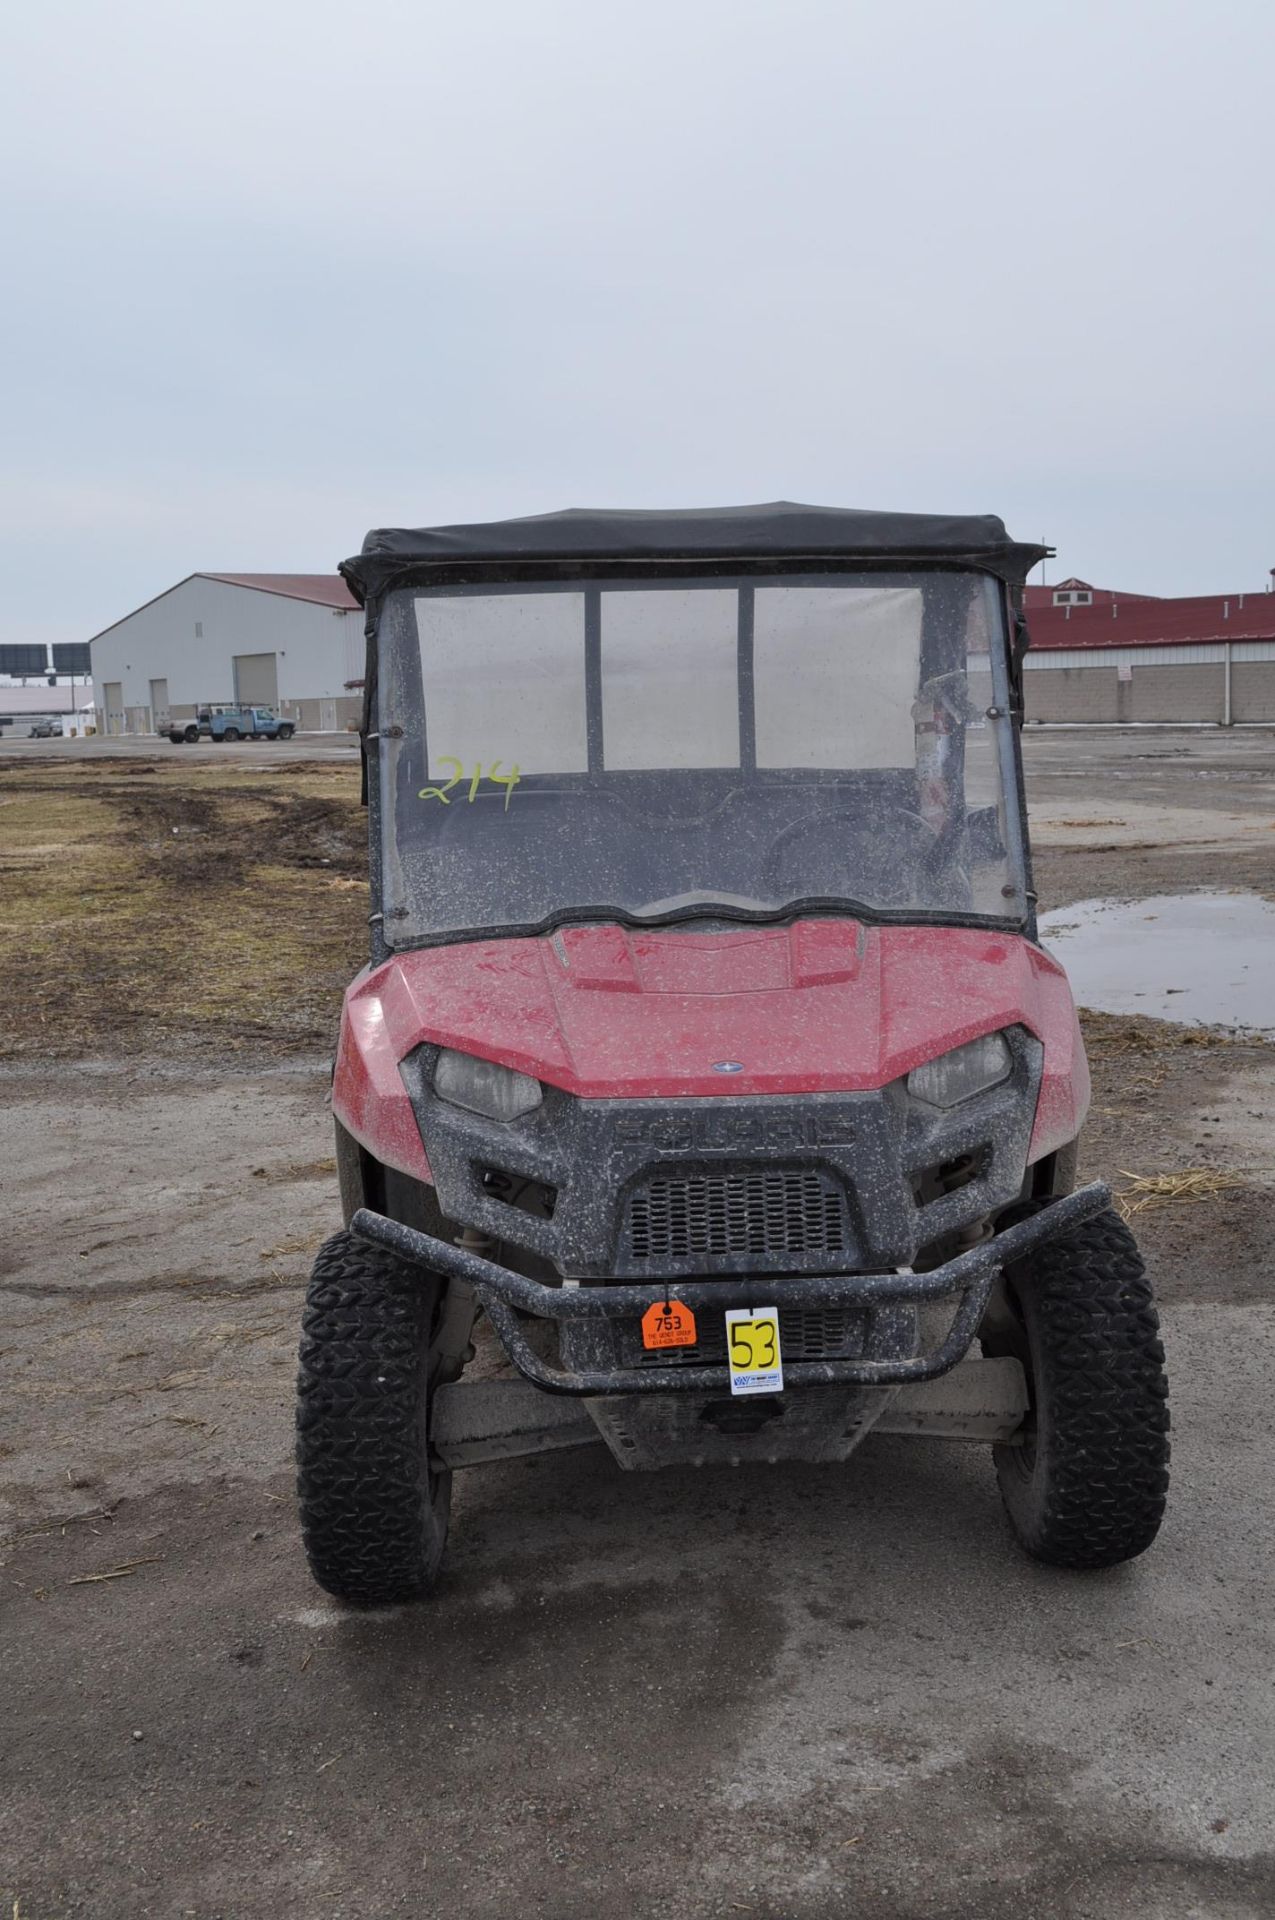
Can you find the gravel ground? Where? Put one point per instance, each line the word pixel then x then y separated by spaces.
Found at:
pixel 791 1694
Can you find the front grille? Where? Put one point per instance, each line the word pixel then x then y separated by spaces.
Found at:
pixel 772 1211
pixel 805 1333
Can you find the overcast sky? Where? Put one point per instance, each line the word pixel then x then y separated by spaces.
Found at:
pixel 281 271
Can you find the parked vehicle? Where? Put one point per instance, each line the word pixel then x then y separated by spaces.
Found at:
pixel 706 1045
pixel 46 730
pixel 231 723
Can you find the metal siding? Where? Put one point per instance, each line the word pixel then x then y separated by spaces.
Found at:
pixel 355 646
pixel 1198 653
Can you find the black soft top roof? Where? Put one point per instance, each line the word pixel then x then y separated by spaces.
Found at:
pixel 781 530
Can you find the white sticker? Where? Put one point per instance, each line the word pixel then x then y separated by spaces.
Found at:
pixel 752 1347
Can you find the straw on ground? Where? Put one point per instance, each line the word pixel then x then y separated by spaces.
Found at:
pixel 1163 1189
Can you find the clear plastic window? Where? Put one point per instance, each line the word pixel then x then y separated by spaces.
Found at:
pixel 836 671
pixel 670 674
pixel 717 746
pixel 503 679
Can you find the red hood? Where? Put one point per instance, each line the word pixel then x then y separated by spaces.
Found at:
pixel 608 1013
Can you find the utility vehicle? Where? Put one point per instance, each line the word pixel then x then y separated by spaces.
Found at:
pixel 706 1046
pixel 231 723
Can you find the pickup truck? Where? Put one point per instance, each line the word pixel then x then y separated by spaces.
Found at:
pixel 232 723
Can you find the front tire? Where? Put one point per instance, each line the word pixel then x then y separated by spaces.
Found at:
pixel 1087 1487
pixel 374 1513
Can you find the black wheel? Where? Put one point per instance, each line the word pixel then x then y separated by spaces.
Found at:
pixel 230 733
pixel 373 1511
pixel 1086 1488
pixel 285 733
pixel 178 739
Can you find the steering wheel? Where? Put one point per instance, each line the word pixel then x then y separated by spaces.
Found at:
pixel 930 853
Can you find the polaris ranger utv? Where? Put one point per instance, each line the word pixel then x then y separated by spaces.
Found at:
pixel 706 1046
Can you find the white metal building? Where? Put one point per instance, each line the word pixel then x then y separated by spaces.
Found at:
pixel 291 641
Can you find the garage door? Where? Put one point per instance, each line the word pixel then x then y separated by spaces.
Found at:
pixel 113 700
pixel 256 679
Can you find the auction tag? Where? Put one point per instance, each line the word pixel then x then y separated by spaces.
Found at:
pixel 667 1323
pixel 752 1342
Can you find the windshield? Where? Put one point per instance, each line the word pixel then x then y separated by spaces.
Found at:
pixel 656 749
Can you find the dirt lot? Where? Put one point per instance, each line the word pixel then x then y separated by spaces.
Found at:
pixel 157 903
pixel 793 1694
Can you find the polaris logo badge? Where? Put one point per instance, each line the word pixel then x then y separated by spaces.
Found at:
pixel 728 1066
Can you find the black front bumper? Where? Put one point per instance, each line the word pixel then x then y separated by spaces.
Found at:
pixel 965 1281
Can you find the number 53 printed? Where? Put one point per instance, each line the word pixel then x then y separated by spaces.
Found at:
pixel 493 774
pixel 752 1340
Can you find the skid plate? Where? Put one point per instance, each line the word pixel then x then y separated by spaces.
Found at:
pixel 475 1422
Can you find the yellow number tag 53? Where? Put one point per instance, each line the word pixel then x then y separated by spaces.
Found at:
pixel 752 1344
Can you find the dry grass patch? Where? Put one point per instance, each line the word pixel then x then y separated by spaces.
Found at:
pixel 1111 1034
pixel 1186 1185
pixel 207 903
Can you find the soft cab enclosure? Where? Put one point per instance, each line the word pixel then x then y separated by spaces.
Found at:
pixel 704 961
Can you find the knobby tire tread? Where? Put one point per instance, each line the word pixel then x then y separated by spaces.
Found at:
pixel 1093 1494
pixel 373 1519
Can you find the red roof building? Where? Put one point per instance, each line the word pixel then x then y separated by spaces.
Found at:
pixel 1074 614
pixel 325 589
pixel 1099 656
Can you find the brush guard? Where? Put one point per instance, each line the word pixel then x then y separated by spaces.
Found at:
pixel 967 1279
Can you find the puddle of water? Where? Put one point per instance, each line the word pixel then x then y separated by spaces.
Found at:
pixel 1202 959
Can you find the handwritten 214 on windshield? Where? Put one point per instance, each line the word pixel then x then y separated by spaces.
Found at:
pixel 493 775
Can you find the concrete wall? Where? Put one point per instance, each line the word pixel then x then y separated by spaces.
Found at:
pixel 1253 690
pixel 318 716
pixel 190 635
pixel 1164 684
pixel 1071 693
pixel 1177 693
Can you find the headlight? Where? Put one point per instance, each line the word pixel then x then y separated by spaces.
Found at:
pixel 480 1086
pixel 959 1075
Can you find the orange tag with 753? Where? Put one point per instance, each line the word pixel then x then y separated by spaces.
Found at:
pixel 667 1323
